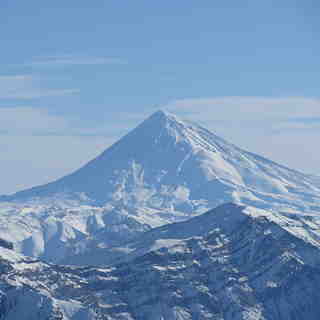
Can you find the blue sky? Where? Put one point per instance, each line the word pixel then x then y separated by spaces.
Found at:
pixel 77 75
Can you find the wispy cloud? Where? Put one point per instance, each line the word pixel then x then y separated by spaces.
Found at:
pixel 35 121
pixel 26 87
pixel 253 110
pixel 29 120
pixel 74 59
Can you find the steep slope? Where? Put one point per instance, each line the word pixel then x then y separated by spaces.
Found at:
pixel 171 164
pixel 245 266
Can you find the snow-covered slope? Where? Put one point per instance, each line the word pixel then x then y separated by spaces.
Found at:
pixel 228 216
pixel 247 265
pixel 169 163
pixel 166 170
pixel 55 232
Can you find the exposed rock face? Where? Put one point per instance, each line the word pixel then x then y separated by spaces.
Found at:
pixel 247 266
pixel 6 244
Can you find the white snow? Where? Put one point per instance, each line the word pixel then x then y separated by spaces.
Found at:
pixel 166 170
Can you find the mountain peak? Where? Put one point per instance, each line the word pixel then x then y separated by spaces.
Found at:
pixel 163 116
pixel 170 164
pixel 160 126
pixel 161 113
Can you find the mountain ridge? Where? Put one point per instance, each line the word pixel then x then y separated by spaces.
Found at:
pixel 248 267
pixel 225 218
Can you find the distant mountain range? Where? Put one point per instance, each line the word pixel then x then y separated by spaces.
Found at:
pixel 232 263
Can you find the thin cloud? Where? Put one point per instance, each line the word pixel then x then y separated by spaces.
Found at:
pixel 34 94
pixel 33 121
pixel 25 87
pixel 72 60
pixel 29 120
pixel 255 110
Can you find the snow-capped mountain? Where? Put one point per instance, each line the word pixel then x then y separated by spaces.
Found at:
pixel 232 263
pixel 165 170
pixel 169 163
